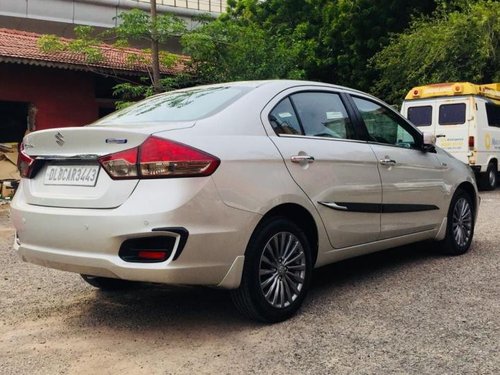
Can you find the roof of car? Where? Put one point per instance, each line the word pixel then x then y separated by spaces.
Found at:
pixel 284 83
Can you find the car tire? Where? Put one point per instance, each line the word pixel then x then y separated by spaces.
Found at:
pixel 488 180
pixel 277 272
pixel 107 284
pixel 460 226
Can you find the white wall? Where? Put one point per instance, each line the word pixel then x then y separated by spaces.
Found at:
pixel 100 13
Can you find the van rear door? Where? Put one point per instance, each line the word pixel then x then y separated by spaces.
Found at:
pixel 448 119
pixel 452 118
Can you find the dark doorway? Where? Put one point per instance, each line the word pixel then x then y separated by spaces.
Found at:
pixel 13 121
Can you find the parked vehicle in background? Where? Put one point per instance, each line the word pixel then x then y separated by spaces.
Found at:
pixel 245 186
pixel 465 118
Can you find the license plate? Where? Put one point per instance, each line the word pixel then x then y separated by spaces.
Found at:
pixel 73 175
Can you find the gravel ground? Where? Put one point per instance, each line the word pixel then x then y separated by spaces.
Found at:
pixel 402 311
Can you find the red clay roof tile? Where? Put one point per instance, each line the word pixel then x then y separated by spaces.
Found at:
pixel 21 47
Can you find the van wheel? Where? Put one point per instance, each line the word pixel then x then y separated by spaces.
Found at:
pixel 460 226
pixel 107 284
pixel 488 180
pixel 277 272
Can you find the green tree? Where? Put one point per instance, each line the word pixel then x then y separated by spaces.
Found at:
pixel 230 49
pixel 332 40
pixel 154 29
pixel 297 21
pixel 462 45
pixel 354 30
pixel 134 25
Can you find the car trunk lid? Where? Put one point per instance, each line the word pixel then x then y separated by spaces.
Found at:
pixel 67 172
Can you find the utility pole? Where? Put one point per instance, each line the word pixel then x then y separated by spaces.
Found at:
pixel 155 51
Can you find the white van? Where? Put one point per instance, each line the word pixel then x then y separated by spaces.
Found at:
pixel 465 118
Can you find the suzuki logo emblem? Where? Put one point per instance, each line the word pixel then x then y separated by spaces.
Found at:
pixel 59 139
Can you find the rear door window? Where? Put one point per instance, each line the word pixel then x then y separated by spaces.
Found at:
pixel 284 120
pixel 323 114
pixel 452 114
pixel 421 115
pixel 493 113
pixel 316 114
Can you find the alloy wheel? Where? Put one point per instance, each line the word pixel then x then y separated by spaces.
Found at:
pixel 462 222
pixel 282 269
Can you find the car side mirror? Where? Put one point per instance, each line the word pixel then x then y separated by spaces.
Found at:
pixel 429 142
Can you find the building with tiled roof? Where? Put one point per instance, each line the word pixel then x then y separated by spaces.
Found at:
pixel 22 48
pixel 40 90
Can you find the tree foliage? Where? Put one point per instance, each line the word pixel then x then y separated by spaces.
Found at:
pixel 381 46
pixel 242 50
pixel 336 41
pixel 85 43
pixel 325 40
pixel 138 25
pixel 354 30
pixel 134 25
pixel 462 45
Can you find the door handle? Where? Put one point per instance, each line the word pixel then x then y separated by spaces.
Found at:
pixel 387 161
pixel 302 158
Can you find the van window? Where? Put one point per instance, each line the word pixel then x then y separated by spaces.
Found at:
pixel 493 113
pixel 420 116
pixel 452 114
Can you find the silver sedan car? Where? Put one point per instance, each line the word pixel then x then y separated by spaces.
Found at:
pixel 246 186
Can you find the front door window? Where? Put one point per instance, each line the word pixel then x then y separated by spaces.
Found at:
pixel 383 126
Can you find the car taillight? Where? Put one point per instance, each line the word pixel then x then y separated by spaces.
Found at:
pixel 159 158
pixel 163 158
pixel 121 164
pixel 24 162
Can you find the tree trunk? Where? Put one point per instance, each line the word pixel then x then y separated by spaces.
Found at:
pixel 155 51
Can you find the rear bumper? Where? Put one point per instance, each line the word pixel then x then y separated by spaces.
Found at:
pixel 96 265
pixel 87 241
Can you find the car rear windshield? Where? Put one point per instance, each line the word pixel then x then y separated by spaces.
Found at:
pixel 185 105
pixel 452 114
pixel 420 116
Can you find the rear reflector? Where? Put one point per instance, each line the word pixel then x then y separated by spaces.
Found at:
pixel 471 142
pixel 159 158
pixel 152 255
pixel 147 249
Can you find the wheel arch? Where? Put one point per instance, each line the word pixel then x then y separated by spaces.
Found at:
pixel 448 243
pixel 494 161
pixel 302 218
pixel 469 189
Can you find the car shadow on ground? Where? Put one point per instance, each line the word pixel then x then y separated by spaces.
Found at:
pixel 149 307
pixel 364 267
